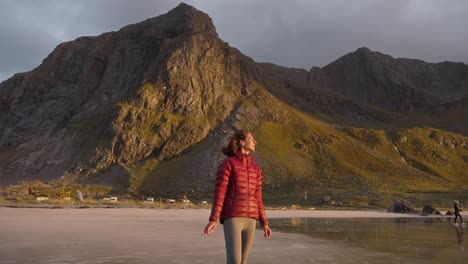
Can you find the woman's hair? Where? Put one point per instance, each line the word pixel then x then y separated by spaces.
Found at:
pixel 234 146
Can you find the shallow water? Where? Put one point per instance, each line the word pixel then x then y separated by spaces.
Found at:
pixel 385 240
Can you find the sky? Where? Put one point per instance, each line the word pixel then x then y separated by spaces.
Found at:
pixel 292 33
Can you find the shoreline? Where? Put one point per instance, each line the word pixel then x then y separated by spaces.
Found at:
pixel 271 213
pixel 135 235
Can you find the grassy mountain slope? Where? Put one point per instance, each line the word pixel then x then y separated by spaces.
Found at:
pixel 297 152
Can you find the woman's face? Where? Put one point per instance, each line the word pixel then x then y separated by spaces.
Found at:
pixel 249 143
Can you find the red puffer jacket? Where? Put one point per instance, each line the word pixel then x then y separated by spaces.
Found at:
pixel 238 190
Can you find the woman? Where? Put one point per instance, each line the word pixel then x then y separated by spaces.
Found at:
pixel 237 201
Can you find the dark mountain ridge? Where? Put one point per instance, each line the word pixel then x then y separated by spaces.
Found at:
pixel 378 88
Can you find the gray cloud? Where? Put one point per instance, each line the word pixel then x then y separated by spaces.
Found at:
pixel 296 33
pixel 23 45
pixel 307 33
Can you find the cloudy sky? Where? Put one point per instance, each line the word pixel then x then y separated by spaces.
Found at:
pixel 293 33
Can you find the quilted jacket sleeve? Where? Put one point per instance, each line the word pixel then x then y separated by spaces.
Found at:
pixel 261 209
pixel 222 179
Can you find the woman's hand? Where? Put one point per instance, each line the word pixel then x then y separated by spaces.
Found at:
pixel 210 227
pixel 267 232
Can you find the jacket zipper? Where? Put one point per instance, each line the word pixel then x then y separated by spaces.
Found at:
pixel 248 188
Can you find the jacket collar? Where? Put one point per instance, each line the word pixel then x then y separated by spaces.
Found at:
pixel 244 158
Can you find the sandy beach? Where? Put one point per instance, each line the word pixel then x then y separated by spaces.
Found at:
pixel 138 235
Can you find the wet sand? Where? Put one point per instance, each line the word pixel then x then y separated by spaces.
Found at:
pixel 154 236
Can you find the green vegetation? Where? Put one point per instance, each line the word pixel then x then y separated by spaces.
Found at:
pixel 356 167
pixel 359 167
pixel 437 152
pixel 139 172
pixel 165 155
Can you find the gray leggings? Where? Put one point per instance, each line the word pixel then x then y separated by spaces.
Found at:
pixel 239 234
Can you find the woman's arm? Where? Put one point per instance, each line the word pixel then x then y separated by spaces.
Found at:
pixel 258 192
pixel 222 179
pixel 261 209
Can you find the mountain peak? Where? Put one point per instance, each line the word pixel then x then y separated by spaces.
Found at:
pixel 187 18
pixel 363 51
pixel 363 55
pixel 184 6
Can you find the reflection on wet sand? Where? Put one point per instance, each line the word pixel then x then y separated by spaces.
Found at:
pixel 406 240
pixel 460 238
pixel 297 221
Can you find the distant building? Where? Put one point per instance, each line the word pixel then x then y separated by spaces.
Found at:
pixel 113 199
pixel 150 200
pixel 42 198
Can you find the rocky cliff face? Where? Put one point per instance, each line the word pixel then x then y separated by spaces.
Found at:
pixel 120 97
pixel 146 109
pixel 298 88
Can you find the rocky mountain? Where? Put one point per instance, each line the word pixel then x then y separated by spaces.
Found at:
pixel 395 84
pixel 371 86
pixel 147 108
pixel 165 73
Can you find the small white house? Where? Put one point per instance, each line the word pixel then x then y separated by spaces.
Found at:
pixel 185 201
pixel 113 199
pixel 204 202
pixel 42 198
pixel 150 200
pixel 169 201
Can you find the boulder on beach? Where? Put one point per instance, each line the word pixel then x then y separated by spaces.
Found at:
pixel 402 206
pixel 327 200
pixel 429 210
